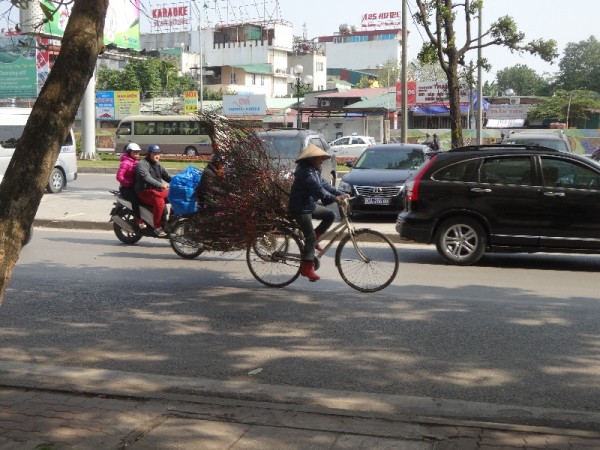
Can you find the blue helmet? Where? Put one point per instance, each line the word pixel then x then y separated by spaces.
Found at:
pixel 153 148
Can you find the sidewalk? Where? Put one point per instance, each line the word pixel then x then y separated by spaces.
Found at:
pixel 51 407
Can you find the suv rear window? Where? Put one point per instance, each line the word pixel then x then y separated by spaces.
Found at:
pixel 463 171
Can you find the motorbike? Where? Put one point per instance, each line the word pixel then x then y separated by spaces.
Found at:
pixel 127 230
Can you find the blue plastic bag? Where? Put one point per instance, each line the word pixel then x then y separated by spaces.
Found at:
pixel 182 191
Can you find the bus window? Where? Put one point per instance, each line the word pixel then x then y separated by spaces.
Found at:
pixel 124 129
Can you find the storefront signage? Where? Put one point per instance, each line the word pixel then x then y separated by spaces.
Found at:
pixel 175 16
pixel 381 20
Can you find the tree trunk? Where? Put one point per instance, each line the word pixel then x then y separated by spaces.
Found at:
pixel 52 115
pixel 456 130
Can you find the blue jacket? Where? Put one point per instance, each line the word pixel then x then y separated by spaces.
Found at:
pixel 308 187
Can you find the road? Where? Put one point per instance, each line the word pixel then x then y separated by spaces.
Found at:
pixel 516 330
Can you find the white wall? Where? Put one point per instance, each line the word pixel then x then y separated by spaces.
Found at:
pixel 362 55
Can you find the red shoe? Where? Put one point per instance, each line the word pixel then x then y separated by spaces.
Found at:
pixel 307 269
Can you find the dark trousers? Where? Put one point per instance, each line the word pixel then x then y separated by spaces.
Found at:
pixel 326 216
pixel 128 193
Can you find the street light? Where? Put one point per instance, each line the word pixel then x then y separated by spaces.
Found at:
pixel 298 84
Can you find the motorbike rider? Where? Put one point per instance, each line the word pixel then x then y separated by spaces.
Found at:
pixel 152 185
pixel 126 178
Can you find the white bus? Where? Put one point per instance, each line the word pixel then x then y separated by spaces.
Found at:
pixel 182 135
pixel 12 123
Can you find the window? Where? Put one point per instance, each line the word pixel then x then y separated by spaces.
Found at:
pixel 233 78
pixel 509 170
pixel 464 171
pixel 562 173
pixel 253 81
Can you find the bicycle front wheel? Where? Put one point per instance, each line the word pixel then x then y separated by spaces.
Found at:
pixel 369 263
pixel 274 258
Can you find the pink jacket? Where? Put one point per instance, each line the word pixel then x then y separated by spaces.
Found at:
pixel 126 172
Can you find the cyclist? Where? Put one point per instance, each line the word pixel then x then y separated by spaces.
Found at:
pixel 308 187
pixel 210 187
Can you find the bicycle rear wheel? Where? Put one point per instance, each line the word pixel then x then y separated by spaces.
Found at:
pixel 274 258
pixel 369 266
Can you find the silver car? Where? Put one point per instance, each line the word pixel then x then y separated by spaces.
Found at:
pixel 351 146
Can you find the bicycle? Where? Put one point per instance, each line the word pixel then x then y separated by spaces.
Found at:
pixel 366 259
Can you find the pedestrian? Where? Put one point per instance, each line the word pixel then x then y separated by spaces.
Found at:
pixel 308 187
pixel 152 186
pixel 126 179
pixel 435 143
pixel 427 140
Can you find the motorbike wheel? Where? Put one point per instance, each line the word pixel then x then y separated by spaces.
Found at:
pixel 127 237
pixel 181 242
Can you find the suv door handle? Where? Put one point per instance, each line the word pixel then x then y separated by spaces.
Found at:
pixel 554 194
pixel 484 190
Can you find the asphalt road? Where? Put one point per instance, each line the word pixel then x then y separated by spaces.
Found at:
pixel 516 330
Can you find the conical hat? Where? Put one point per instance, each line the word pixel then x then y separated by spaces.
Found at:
pixel 312 151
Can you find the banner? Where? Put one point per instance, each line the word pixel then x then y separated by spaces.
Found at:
pixel 244 105
pixel 18 63
pixel 121 27
pixel 425 93
pixel 190 102
pixel 115 105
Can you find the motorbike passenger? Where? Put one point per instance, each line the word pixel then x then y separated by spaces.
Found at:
pixel 152 186
pixel 211 185
pixel 126 178
pixel 308 187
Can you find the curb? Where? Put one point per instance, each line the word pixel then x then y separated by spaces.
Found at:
pixel 384 407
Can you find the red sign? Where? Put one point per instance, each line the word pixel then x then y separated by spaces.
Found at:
pixel 174 16
pixel 411 93
pixel 387 19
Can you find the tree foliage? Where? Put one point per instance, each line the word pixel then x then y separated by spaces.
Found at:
pixel 579 67
pixel 152 77
pixel 440 18
pixel 567 106
pixel 523 80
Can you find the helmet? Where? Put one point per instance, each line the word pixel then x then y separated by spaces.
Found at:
pixel 153 148
pixel 133 147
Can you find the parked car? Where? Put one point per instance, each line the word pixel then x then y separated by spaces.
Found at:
pixel 490 198
pixel 286 145
pixel 351 146
pixel 377 179
pixel 557 141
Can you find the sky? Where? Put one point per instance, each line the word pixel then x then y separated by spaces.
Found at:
pixel 563 21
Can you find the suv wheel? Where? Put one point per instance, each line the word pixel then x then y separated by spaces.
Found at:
pixel 461 241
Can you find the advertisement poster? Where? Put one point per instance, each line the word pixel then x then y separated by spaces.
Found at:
pixel 105 105
pixel 121 28
pixel 18 75
pixel 127 103
pixel 190 102
pixel 244 105
pixel 429 93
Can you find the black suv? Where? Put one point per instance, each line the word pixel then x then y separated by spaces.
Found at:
pixel 478 199
pixel 285 145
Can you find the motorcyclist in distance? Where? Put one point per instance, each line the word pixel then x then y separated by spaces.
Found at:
pixel 126 178
pixel 152 186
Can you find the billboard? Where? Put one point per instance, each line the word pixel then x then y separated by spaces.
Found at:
pixel 429 93
pixel 115 105
pixel 121 28
pixel 18 66
pixel 244 105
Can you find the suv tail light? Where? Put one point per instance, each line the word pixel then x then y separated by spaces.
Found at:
pixel 412 185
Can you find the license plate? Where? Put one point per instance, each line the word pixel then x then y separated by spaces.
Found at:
pixel 377 200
